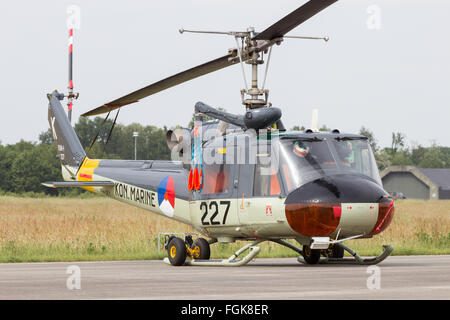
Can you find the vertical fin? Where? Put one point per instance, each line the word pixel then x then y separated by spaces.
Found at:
pixel 69 148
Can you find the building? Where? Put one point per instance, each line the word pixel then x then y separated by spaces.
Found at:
pixel 417 183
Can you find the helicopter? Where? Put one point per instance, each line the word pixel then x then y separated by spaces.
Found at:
pixel 241 176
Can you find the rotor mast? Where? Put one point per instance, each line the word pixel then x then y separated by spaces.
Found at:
pixel 254 100
pixel 246 47
pixel 251 51
pixel 247 52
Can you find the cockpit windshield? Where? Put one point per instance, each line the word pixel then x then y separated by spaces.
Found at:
pixel 304 160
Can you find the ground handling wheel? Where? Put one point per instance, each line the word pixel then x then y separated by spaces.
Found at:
pixel 200 249
pixel 176 250
pixel 311 256
pixel 337 251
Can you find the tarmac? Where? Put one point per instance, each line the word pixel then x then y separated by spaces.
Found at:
pixel 398 277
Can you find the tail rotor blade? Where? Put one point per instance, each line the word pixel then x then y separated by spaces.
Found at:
pixel 70 87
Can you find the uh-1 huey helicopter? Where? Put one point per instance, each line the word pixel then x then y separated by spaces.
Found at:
pixel 242 177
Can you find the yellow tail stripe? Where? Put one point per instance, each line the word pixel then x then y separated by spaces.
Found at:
pixel 86 172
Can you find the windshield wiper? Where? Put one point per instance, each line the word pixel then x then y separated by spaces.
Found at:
pixel 350 138
pixel 312 139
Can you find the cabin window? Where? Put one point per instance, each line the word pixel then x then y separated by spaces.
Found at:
pixel 266 182
pixel 216 179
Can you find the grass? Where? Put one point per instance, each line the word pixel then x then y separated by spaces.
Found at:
pixel 71 229
pixel 419 227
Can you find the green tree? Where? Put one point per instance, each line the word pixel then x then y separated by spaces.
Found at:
pixel 383 159
pixel 418 154
pixel 298 128
pixel 398 142
pixel 87 129
pixel 31 167
pixel 370 138
pixel 46 137
pixel 433 158
pixel 401 158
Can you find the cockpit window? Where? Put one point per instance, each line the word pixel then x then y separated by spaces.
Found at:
pixel 355 155
pixel 316 153
pixel 304 160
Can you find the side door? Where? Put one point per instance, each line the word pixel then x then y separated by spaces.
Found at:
pixel 261 195
pixel 244 192
pixel 214 206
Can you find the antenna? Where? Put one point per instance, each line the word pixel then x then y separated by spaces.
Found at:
pixel 315 120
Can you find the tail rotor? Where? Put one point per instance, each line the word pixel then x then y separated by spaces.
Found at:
pixel 70 87
pixel 71 95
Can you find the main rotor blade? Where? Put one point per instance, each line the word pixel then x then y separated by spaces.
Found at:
pixel 292 20
pixel 166 83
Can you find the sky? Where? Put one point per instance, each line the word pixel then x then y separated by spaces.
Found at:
pixel 386 66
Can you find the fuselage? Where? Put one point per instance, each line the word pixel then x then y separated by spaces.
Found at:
pixel 302 185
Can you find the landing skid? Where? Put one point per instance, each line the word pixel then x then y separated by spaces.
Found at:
pixel 357 259
pixel 231 261
pixel 253 252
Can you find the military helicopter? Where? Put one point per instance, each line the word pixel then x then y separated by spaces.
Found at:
pixel 242 177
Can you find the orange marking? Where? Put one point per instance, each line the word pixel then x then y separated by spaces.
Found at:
pixel 196 130
pixel 313 219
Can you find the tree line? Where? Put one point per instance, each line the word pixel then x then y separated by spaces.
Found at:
pixel 399 153
pixel 24 165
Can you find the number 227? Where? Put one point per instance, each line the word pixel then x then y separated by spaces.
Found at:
pixel 214 207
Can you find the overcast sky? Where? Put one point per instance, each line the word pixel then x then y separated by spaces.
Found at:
pixel 387 72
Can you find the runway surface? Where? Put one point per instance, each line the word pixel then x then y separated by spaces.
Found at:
pixel 409 277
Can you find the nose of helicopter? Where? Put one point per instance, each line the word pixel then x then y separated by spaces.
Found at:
pixel 349 204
